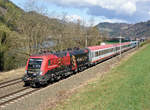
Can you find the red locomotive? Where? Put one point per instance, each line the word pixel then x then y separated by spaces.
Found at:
pixel 49 67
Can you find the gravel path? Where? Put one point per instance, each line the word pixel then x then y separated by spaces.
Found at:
pixel 49 96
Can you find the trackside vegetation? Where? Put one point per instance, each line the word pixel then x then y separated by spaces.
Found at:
pixel 126 87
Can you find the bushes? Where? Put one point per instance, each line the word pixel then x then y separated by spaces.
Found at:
pixel 8 45
pixel 9 62
pixel 145 42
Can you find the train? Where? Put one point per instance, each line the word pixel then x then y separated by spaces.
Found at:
pixel 42 69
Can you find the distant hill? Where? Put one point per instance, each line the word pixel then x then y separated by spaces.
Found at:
pixel 137 30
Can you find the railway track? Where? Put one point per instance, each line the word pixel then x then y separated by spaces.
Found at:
pixel 6 99
pixel 12 95
pixel 10 82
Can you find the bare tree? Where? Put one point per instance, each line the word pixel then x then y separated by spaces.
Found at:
pixel 35 29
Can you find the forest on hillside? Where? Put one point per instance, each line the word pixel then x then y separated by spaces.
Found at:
pixel 25 33
pixel 138 30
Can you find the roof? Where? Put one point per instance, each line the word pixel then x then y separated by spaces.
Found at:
pixel 106 46
pixel 45 55
pixel 100 47
pixel 79 51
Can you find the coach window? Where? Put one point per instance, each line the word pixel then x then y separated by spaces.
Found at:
pixel 103 52
pixel 112 50
pixel 117 48
pixel 109 50
pixel 99 53
pixel 93 54
pixel 106 51
pixel 49 62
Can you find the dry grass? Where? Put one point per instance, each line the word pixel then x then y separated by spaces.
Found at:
pixel 12 74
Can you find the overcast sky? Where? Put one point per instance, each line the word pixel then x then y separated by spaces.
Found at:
pixel 128 11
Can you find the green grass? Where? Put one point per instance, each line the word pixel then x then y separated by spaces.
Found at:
pixel 113 42
pixel 126 87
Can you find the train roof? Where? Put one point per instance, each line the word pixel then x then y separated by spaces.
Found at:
pixel 100 47
pixel 44 55
pixel 79 51
pixel 106 46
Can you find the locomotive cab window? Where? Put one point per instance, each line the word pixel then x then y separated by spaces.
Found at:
pixel 35 63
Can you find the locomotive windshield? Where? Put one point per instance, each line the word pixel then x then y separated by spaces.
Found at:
pixel 35 63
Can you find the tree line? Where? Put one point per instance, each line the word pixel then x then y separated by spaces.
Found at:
pixel 24 33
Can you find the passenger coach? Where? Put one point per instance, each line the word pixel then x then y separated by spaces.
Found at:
pixel 102 52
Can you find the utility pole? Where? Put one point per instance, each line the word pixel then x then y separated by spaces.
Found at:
pixel 120 45
pixel 86 40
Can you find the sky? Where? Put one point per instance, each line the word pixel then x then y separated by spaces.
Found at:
pixel 91 12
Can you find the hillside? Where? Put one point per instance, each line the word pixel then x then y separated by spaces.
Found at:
pixel 17 29
pixel 112 28
pixel 9 13
pixel 137 30
pixel 141 29
pixel 21 34
pixel 25 33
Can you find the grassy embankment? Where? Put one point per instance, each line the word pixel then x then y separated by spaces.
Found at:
pixel 126 87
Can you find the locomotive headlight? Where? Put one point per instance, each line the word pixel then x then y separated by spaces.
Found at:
pixel 40 72
pixel 34 74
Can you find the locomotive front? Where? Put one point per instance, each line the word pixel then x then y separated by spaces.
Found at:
pixel 34 73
